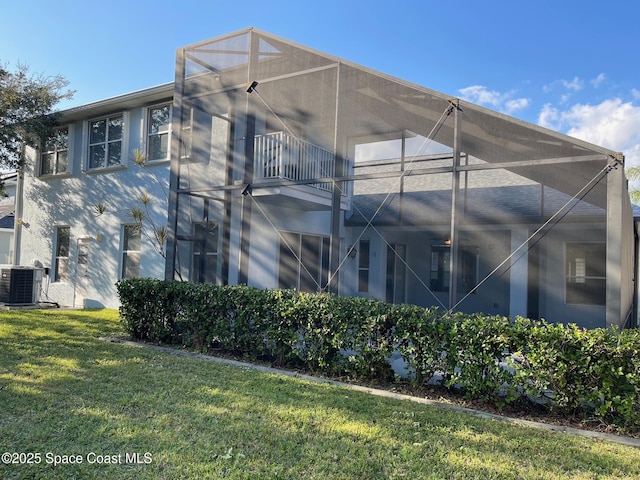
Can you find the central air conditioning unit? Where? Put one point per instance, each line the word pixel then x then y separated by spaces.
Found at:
pixel 20 285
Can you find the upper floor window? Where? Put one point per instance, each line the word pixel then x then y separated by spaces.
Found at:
pixel 55 153
pixel 106 142
pixel 186 143
pixel 158 132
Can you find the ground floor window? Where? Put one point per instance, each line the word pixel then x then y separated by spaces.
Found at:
pixel 61 268
pixel 364 248
pixel 131 236
pixel 205 252
pixel 468 265
pixel 585 278
pixel 396 272
pixel 304 262
pixel 440 268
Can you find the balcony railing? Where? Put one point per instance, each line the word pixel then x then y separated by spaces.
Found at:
pixel 279 155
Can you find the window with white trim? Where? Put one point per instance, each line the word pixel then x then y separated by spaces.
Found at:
pixel 585 273
pixel 55 153
pixel 186 142
pixel 158 132
pixel 131 237
pixel 106 140
pixel 61 268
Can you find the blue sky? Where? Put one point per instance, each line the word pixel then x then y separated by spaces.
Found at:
pixel 569 65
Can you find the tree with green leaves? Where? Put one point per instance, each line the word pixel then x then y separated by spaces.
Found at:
pixel 27 117
pixel 141 213
pixel 633 174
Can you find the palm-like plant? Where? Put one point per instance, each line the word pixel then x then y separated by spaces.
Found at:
pixel 633 174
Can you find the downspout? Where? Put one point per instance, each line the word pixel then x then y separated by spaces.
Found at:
pixel 17 215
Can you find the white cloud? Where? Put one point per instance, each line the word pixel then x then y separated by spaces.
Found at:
pixel 549 117
pixel 599 80
pixel 503 102
pixel 516 104
pixel 480 95
pixel 613 124
pixel 574 85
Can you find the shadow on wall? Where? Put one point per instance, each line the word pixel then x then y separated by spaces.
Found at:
pixel 73 202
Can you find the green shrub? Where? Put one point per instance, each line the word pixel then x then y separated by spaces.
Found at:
pixel 577 369
pixel 150 309
pixel 490 358
pixel 368 330
pixel 478 346
pixel 423 339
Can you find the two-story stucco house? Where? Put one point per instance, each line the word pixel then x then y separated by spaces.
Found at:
pixel 274 165
pixel 7 217
pixel 78 194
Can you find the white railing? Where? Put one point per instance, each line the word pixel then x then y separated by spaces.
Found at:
pixel 279 155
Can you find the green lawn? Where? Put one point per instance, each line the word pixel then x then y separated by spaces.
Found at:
pixel 64 392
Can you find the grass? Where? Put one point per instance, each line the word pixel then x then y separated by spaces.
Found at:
pixel 65 392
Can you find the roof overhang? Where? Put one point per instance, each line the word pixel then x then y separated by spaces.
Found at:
pixel 121 102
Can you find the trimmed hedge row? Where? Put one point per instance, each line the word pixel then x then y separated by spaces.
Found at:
pixel 568 369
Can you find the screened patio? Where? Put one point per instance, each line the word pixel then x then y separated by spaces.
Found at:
pixel 292 168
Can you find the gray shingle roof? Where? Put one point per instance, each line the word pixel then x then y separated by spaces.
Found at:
pixel 496 205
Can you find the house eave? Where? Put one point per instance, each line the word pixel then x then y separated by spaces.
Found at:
pixel 158 93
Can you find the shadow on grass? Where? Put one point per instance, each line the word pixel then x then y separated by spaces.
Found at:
pixel 65 392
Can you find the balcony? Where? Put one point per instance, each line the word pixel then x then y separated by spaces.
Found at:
pixel 282 156
pixel 279 155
